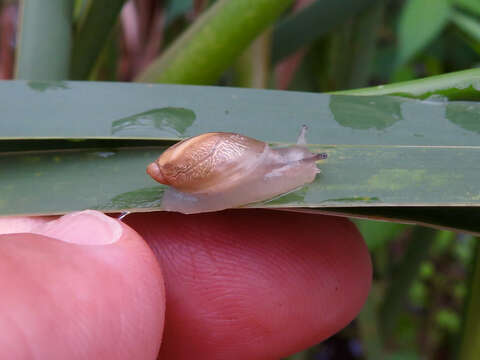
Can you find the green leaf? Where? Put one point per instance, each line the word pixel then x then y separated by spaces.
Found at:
pixel 389 157
pixel 464 218
pixel 470 340
pixel 348 51
pixel 92 32
pixel 106 66
pixel 366 28
pixel 212 43
pixel 80 7
pixel 460 85
pixel 311 22
pixel 402 278
pixel 468 24
pixel 377 234
pixel 420 22
pixel 471 5
pixel 44 40
pixel 367 323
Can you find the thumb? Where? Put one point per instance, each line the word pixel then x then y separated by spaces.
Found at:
pixel 84 286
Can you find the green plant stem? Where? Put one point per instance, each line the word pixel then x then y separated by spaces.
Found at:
pixel 368 324
pixel 211 44
pixel 252 67
pixel 105 68
pixel 460 85
pixel 93 30
pixel 470 342
pixel 403 276
pixel 44 37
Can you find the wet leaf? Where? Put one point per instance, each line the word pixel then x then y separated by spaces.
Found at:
pixel 86 145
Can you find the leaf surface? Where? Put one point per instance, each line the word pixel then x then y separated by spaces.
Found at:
pixel 71 146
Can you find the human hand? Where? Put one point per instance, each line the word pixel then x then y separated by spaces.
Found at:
pixel 241 284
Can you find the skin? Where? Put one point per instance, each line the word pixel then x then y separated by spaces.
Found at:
pixel 239 284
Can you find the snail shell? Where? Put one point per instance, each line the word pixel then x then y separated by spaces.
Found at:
pixel 217 170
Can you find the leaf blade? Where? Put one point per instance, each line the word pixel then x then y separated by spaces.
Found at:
pixel 86 145
pixel 51 20
pixel 420 21
pixel 171 112
pixel 93 31
pixel 460 85
pixel 311 22
pixel 468 24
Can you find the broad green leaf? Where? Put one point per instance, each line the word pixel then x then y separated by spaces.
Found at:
pixel 212 43
pixel 44 40
pixel 420 22
pixel 144 111
pixel 468 24
pixel 389 157
pixel 311 22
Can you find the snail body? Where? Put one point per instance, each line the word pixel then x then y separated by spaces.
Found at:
pixel 217 170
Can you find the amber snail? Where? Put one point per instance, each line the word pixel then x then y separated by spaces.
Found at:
pixel 218 170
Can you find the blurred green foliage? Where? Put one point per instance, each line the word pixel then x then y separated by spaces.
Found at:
pixel 326 45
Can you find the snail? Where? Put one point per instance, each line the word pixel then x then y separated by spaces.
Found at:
pixel 219 170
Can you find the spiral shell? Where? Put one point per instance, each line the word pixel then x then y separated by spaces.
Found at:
pixel 208 160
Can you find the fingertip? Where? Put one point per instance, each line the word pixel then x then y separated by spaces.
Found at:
pixel 256 283
pixel 71 297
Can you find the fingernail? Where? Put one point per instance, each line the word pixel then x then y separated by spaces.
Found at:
pixel 87 227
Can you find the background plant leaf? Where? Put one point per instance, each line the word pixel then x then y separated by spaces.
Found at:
pixel 93 30
pixel 309 23
pixel 50 20
pixel 460 85
pixel 471 5
pixel 420 22
pixel 468 24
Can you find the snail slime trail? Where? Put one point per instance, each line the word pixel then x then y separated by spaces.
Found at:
pixel 218 170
